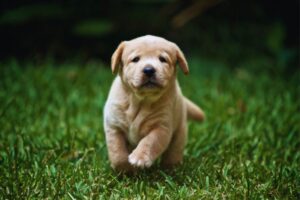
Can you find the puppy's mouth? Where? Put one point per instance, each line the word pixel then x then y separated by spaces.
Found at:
pixel 150 84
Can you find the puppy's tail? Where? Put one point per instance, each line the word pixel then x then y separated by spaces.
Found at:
pixel 193 111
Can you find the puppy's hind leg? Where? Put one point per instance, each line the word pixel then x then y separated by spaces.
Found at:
pixel 174 154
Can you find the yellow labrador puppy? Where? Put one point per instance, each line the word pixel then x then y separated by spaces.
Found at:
pixel 145 115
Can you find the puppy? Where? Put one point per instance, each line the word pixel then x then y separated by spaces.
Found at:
pixel 145 115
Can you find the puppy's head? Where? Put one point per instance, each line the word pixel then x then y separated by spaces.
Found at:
pixel 147 64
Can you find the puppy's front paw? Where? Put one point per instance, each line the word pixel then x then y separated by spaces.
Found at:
pixel 140 159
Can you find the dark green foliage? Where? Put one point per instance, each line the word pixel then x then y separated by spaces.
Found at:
pixel 52 142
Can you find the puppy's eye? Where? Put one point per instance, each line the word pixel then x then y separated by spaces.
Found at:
pixel 162 59
pixel 136 59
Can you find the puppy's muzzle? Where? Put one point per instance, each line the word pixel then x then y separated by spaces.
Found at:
pixel 149 71
pixel 150 80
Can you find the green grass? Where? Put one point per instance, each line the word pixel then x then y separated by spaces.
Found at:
pixel 52 142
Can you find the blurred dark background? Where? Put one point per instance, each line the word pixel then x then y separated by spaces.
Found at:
pixel 231 31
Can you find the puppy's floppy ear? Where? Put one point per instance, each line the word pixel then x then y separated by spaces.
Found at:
pixel 181 60
pixel 116 57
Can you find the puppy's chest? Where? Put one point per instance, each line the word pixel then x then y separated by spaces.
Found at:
pixel 139 124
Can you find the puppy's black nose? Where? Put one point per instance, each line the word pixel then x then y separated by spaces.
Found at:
pixel 149 71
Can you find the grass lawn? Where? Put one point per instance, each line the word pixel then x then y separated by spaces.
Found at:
pixel 52 143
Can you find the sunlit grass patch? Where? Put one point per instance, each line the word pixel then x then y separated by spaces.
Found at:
pixel 52 142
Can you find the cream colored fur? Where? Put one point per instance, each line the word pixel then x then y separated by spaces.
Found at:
pixel 144 121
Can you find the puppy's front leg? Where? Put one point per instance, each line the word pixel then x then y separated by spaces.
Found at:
pixel 174 154
pixel 117 150
pixel 150 148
